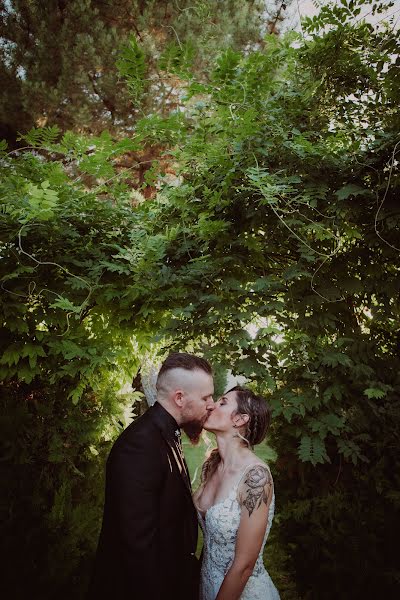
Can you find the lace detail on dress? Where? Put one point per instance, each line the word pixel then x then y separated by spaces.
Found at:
pixel 220 525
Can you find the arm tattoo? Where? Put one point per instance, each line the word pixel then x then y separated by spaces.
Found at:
pixel 257 485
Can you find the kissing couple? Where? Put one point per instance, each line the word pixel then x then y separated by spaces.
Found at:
pixel 148 540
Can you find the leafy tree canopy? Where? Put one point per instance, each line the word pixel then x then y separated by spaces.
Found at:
pixel 58 58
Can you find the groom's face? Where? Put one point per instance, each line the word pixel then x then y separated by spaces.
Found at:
pixel 198 402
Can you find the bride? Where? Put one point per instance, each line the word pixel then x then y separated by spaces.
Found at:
pixel 235 502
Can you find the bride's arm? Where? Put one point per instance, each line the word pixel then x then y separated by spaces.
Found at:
pixel 254 496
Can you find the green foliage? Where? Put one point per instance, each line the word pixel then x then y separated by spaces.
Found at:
pixel 53 484
pixel 132 65
pixel 220 380
pixel 65 354
pixel 58 61
pixel 286 222
pixel 312 450
pixel 177 58
pixel 275 254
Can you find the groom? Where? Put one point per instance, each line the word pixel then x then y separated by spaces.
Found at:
pixel 148 538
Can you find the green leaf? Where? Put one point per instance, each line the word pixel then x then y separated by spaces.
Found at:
pixel 41 137
pixel 177 58
pixel 3 147
pixel 76 394
pixel 305 449
pixel 351 189
pixel 374 393
pixel 132 66
pixel 312 449
pixel 334 391
pixel 333 359
pixel 350 450
pixel 65 304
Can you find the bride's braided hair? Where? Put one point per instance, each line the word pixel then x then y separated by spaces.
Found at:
pixel 256 428
pixel 259 413
pixel 210 465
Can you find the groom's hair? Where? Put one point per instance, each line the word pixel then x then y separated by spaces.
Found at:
pixel 183 360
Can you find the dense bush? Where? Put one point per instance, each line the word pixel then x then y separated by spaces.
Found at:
pixel 63 363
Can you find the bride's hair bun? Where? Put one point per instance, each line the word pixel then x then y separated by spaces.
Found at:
pixel 259 413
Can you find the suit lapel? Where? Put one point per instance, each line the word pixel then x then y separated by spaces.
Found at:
pixel 168 426
pixel 173 457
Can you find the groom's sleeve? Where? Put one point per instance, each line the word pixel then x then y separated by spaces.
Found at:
pixel 135 479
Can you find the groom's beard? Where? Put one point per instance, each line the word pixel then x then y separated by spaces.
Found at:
pixel 193 430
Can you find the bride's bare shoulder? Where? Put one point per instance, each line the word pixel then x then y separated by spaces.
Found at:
pixel 256 487
pixel 253 461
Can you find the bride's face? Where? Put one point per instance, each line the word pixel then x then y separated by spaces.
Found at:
pixel 221 418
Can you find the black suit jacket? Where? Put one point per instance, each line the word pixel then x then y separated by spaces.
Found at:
pixel 148 538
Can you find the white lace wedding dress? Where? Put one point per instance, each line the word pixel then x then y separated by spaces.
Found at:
pixel 220 525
